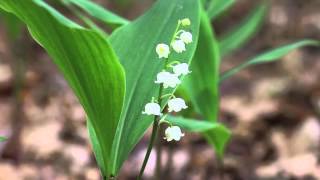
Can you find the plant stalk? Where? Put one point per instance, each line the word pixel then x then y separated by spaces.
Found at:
pixel 156 121
pixel 151 143
pixel 159 157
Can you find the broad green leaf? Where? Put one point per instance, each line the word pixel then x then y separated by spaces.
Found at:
pixel 86 60
pixel 204 2
pixel 135 45
pixel 244 31
pixel 218 137
pixel 2 139
pixel 216 134
pixel 99 12
pixel 202 84
pixel 217 7
pixel 96 145
pixel 191 125
pixel 269 56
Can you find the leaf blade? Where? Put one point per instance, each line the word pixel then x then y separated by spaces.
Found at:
pixel 86 60
pixel 191 125
pixel 269 56
pixel 217 7
pixel 202 84
pixel 218 138
pixel 99 12
pixel 142 64
pixel 216 134
pixel 244 31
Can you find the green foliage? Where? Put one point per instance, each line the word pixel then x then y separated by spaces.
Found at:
pixel 269 56
pixel 142 64
pixel 2 139
pixel 244 31
pixel 94 73
pixel 192 125
pixel 86 60
pixel 97 11
pixel 202 84
pixel 96 145
pixel 218 137
pixel 217 7
pixel 217 134
pixel 113 77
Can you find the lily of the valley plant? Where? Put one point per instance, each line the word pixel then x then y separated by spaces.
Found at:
pixel 124 86
pixel 170 77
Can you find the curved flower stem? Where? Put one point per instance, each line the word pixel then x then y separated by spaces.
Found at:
pixel 167 122
pixel 151 143
pixel 169 65
pixel 158 169
pixel 167 95
pixel 156 121
pixel 175 33
pixel 155 127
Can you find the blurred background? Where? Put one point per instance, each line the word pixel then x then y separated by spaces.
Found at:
pixel 273 110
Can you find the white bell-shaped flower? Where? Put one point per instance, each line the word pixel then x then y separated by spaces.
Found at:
pixel 185 22
pixel 163 50
pixel 173 133
pixel 181 69
pixel 152 109
pixel 178 46
pixel 176 105
pixel 167 79
pixel 186 37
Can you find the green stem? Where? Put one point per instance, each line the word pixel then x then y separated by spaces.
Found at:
pixel 151 143
pixel 168 95
pixel 175 33
pixel 152 140
pixel 165 121
pixel 159 155
pixel 156 120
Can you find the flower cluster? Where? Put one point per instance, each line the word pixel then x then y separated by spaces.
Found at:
pixel 171 78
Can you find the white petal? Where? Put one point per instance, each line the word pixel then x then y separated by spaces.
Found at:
pixel 173 133
pixel 162 77
pixel 178 46
pixel 181 69
pixel 176 105
pixel 163 50
pixel 186 37
pixel 152 109
pixel 168 79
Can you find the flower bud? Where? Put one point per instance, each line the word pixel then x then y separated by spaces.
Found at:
pixel 185 22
